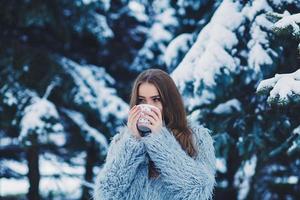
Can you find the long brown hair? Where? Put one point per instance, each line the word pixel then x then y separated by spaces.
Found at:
pixel 174 114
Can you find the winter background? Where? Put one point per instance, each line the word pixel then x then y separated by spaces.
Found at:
pixel 67 68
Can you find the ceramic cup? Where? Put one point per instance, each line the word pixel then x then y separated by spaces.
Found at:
pixel 143 121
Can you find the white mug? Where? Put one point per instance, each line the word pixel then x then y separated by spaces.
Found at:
pixel 143 121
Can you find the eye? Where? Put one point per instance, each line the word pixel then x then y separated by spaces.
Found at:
pixel 140 100
pixel 157 99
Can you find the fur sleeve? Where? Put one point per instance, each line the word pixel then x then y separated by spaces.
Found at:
pixel 116 180
pixel 185 177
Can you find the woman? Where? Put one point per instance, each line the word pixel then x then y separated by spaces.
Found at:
pixel 175 161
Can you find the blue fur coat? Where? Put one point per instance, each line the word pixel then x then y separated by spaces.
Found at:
pixel 125 172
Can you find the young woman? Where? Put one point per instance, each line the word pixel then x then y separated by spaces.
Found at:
pixel 175 161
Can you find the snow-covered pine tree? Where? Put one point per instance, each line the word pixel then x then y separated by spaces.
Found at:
pixel 283 92
pixel 218 78
pixel 171 19
pixel 284 88
pixel 37 121
pixel 37 40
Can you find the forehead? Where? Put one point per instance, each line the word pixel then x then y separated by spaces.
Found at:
pixel 147 90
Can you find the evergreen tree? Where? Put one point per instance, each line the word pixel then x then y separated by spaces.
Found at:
pixel 40 80
pixel 218 77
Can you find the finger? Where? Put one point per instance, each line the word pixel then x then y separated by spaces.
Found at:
pixel 135 117
pixel 152 121
pixel 157 112
pixel 132 109
pixel 133 112
pixel 153 115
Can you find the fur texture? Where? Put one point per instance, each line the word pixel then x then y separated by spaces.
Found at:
pixel 125 172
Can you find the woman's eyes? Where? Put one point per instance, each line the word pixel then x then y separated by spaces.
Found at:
pixel 156 99
pixel 143 100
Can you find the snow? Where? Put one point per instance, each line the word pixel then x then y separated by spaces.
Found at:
pixel 289 21
pixel 258 57
pixel 160 6
pixel 208 42
pixel 56 81
pixel 175 47
pixel 195 5
pixel 138 11
pixel 255 7
pixel 158 31
pixel 210 52
pixel 215 54
pixel 258 54
pixel 221 165
pixel 281 2
pixel 100 28
pixel 68 187
pixel 36 120
pixel 8 97
pixel 243 177
pixel 88 1
pixel 55 176
pixel 223 184
pixel 296 143
pixel 297 130
pixel 106 3
pixel 293 180
pixel 51 165
pixel 93 88
pixel 228 107
pixel 86 129
pixel 6 141
pixel 283 87
pixel 158 35
pixel 290 180
pixel 20 168
pixel 167 18
pixel 11 186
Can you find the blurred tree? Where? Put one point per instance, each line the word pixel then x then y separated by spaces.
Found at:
pixel 38 42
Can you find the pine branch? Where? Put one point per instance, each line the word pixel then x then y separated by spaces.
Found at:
pixel 284 146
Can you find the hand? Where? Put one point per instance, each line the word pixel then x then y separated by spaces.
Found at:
pixel 155 118
pixel 133 116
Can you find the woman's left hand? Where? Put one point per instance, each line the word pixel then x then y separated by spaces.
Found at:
pixel 155 118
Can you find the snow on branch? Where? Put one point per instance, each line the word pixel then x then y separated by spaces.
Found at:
pixel 41 118
pixel 290 145
pixel 210 53
pixel 296 143
pixel 93 88
pixel 283 88
pixel 86 130
pixel 287 23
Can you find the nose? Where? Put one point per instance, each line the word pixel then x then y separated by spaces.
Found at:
pixel 150 103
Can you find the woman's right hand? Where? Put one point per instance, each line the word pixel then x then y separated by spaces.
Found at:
pixel 133 117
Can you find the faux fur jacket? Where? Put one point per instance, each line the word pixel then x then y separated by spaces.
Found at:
pixel 125 172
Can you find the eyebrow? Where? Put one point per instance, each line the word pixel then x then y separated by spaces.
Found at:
pixel 150 97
